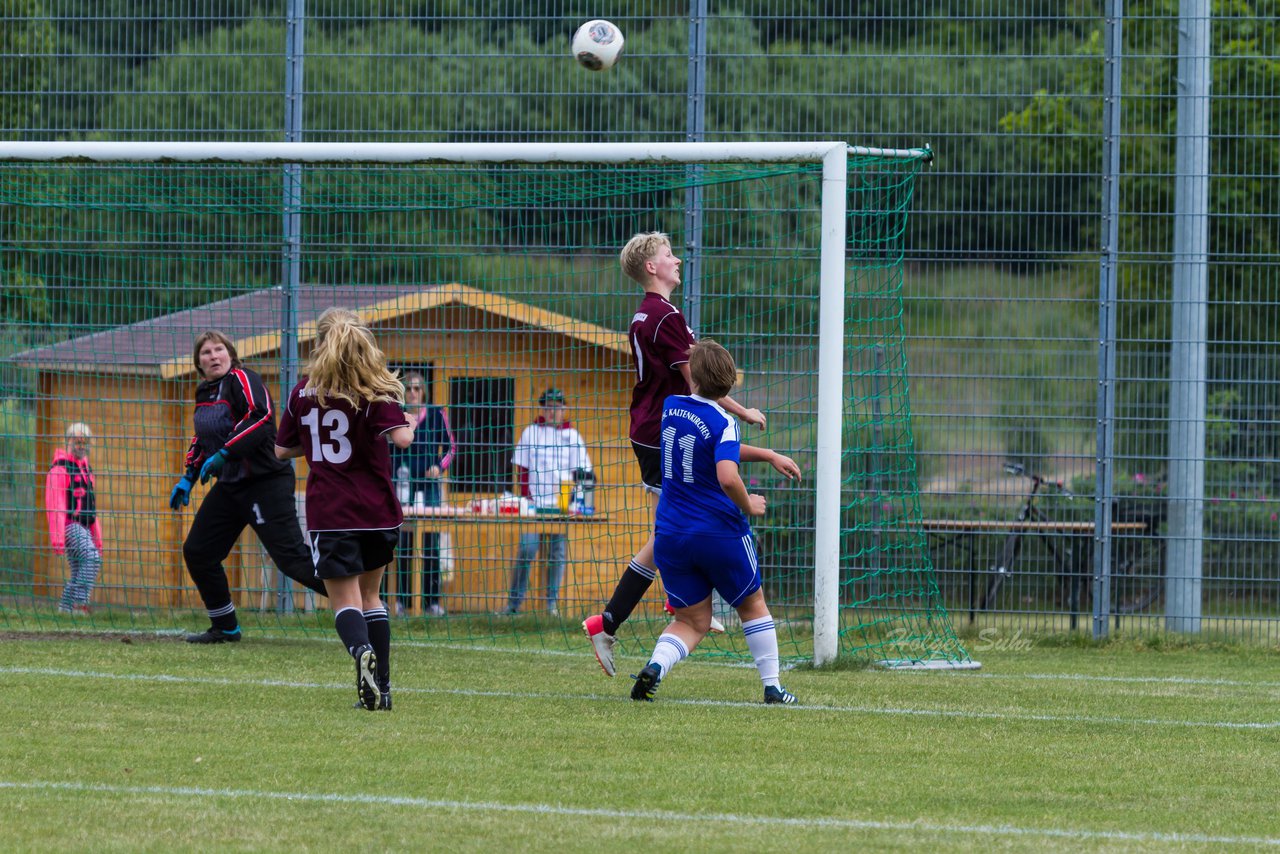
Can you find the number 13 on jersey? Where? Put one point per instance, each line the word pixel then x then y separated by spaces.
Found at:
pixel 329 429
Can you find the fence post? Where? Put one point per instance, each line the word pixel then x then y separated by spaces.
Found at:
pixel 291 229
pixel 1188 358
pixel 1104 480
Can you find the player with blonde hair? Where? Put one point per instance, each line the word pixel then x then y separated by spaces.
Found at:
pixel 340 416
pixel 660 341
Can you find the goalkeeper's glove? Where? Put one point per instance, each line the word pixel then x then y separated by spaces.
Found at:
pixel 181 495
pixel 213 465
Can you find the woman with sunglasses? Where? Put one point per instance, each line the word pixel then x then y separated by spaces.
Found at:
pixel 424 463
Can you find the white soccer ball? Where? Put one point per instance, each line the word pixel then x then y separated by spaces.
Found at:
pixel 597 45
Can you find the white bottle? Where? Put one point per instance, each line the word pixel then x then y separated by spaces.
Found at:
pixel 402 485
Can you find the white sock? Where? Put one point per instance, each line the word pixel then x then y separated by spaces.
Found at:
pixel 668 652
pixel 762 641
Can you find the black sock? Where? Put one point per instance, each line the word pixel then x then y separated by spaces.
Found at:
pixel 380 636
pixel 352 629
pixel 631 588
pixel 224 618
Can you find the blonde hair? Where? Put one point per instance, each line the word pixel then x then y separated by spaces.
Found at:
pixel 347 363
pixel 213 335
pixel 712 369
pixel 79 430
pixel 639 251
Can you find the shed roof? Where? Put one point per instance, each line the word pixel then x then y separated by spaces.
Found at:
pixel 161 346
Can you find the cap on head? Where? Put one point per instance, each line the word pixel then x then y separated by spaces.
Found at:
pixel 551 396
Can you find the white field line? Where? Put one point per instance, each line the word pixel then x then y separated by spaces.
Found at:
pixel 1207 682
pixel 742 664
pixel 816 822
pixel 955 714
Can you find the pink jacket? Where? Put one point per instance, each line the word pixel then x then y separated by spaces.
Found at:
pixel 55 500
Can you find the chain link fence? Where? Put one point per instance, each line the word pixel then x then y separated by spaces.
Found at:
pixel 1064 333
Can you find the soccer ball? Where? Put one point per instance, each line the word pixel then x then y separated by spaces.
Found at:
pixel 597 45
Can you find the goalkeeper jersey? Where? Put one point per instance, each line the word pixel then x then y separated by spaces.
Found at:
pixel 697 434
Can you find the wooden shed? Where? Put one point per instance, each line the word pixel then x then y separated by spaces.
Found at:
pixel 485 356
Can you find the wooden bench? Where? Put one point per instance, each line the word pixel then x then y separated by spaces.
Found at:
pixel 1037 527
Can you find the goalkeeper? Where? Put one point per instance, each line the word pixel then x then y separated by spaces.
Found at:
pixel 660 341
pixel 702 539
pixel 235 432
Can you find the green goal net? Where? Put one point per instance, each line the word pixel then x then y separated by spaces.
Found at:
pixel 490 284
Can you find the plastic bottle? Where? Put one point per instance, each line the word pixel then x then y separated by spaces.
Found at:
pixel 402 484
pixel 585 494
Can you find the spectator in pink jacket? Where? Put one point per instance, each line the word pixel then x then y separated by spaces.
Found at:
pixel 74 529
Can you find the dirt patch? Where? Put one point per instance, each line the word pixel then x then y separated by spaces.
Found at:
pixel 105 637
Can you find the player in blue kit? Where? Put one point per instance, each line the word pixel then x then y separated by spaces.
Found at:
pixel 702 538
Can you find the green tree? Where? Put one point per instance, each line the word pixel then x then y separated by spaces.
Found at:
pixel 26 41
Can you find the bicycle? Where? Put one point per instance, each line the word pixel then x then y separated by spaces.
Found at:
pixel 1137 557
pixel 1137 562
pixel 1012 546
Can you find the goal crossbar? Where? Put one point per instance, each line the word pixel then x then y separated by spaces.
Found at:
pixel 447 152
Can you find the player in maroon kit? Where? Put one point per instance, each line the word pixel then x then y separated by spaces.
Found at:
pixel 660 341
pixel 340 416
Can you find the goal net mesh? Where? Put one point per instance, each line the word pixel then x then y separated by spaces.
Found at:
pixel 492 284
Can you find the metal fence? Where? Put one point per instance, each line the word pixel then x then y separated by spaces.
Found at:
pixel 1092 263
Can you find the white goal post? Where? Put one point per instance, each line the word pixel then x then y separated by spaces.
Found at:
pixel 833 156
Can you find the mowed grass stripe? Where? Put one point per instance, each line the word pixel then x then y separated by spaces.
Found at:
pixel 584 655
pixel 904 711
pixel 1081 834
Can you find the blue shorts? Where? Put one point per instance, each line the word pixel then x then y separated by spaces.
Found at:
pixel 692 565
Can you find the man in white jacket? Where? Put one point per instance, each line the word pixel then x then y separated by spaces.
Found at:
pixel 548 454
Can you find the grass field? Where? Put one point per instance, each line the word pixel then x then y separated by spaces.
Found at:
pixel 140 742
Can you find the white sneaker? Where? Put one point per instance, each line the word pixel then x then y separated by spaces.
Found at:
pixel 602 641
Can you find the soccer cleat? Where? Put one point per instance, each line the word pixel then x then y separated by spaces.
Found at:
pixel 80 610
pixel 213 634
pixel 602 641
pixel 384 702
pixel 716 627
pixel 646 684
pixel 366 678
pixel 778 696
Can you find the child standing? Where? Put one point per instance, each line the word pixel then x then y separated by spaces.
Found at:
pixel 71 507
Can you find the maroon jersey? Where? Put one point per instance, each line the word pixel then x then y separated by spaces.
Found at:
pixel 660 342
pixel 349 482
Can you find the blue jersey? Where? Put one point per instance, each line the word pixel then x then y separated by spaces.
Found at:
pixel 697 434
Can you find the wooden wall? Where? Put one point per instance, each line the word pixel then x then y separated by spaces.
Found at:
pixel 142 426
